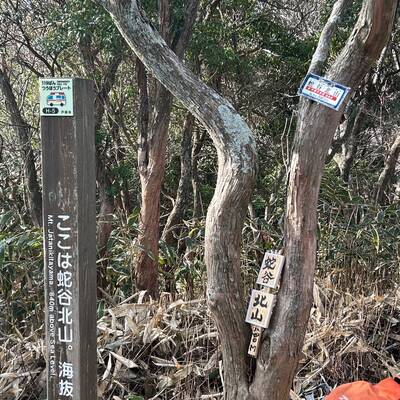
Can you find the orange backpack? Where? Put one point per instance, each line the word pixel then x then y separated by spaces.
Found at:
pixel 388 389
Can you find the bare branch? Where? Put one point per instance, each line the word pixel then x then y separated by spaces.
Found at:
pixel 184 36
pixel 325 40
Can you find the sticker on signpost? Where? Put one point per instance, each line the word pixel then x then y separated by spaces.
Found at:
pixel 324 91
pixel 260 308
pixel 56 97
pixel 270 271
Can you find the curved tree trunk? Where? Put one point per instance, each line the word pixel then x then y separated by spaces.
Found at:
pixel 282 343
pixel 22 129
pixel 236 171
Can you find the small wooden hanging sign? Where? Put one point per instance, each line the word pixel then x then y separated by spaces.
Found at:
pixel 262 301
pixel 260 308
pixel 271 270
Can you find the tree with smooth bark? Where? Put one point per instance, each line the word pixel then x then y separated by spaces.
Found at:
pixel 281 344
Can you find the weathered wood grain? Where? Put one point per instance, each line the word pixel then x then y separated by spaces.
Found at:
pixel 69 208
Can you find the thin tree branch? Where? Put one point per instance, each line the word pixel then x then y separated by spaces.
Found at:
pixel 388 171
pixel 325 40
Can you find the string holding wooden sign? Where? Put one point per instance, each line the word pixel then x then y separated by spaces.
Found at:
pixel 262 301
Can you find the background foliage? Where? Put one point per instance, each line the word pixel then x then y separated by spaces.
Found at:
pixel 255 53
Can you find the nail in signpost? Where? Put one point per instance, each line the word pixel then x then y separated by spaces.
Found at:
pixel 68 162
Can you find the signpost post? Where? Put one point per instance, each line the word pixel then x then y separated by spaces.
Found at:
pixel 69 212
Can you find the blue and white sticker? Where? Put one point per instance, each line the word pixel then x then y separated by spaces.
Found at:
pixel 324 91
pixel 56 97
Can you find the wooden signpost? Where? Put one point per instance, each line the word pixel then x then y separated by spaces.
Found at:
pixel 69 211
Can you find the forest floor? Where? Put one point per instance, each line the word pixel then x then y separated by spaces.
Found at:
pixel 169 349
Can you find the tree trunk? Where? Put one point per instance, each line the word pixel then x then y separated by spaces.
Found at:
pixel 151 160
pixel 282 343
pixel 350 146
pixel 22 129
pixel 236 172
pixel 199 137
pixel 182 198
pixel 353 127
pixel 151 154
pixel 281 348
pixel 104 185
pixel 124 199
pixel 387 174
pixel 345 129
pixel 104 221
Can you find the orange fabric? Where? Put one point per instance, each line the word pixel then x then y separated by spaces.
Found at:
pixel 388 389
